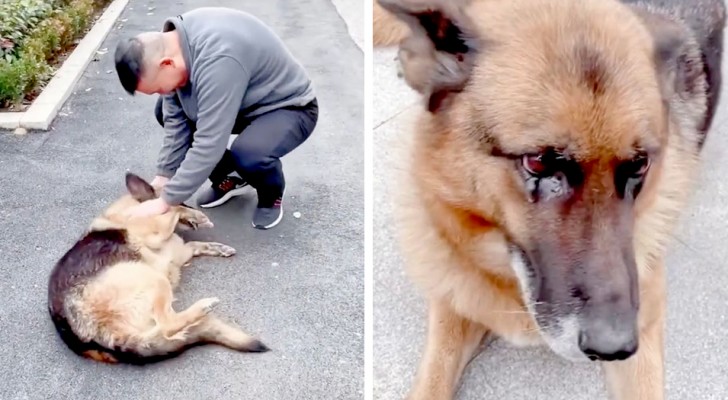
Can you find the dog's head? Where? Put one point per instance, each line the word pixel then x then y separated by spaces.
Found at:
pixel 551 120
pixel 151 231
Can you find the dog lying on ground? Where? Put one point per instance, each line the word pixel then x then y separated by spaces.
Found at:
pixel 110 296
pixel 548 171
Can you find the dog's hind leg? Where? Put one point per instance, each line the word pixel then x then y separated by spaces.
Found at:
pixel 452 341
pixel 210 249
pixel 172 324
pixel 176 331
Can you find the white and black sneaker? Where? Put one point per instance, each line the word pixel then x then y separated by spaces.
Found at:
pixel 219 193
pixel 268 214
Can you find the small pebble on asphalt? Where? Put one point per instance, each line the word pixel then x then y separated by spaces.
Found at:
pixel 296 214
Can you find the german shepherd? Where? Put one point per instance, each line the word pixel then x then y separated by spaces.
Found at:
pixel 547 173
pixel 110 296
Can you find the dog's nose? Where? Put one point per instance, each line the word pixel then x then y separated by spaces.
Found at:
pixel 607 342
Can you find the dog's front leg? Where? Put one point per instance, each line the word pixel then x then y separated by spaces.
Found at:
pixel 210 249
pixel 194 219
pixel 641 377
pixel 452 341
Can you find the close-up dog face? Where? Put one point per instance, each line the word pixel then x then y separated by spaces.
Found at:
pixel 561 125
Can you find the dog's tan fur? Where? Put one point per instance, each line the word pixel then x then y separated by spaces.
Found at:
pixel 455 199
pixel 122 311
pixel 388 30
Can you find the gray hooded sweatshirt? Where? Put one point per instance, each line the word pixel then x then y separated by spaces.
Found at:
pixel 236 64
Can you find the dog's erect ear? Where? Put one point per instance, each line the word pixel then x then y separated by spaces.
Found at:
pixel 437 58
pixel 139 188
pixel 676 58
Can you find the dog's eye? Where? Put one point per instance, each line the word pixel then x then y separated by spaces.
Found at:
pixel 535 164
pixel 543 164
pixel 635 168
pixel 638 166
pixel 630 176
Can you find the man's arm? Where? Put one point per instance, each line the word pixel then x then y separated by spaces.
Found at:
pixel 177 136
pixel 220 90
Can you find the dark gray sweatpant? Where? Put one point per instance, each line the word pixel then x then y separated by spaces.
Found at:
pixel 262 140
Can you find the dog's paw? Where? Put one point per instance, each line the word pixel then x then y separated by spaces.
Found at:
pixel 222 250
pixel 208 304
pixel 179 336
pixel 196 219
pixel 206 224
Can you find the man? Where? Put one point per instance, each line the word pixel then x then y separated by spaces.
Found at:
pixel 220 72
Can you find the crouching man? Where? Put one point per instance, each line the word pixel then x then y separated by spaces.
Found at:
pixel 220 72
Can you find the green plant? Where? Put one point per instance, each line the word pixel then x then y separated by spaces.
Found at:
pixel 31 63
pixel 17 19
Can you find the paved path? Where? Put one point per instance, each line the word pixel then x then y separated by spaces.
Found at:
pixel 299 287
pixel 697 341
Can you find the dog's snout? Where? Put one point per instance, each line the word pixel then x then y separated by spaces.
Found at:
pixel 608 341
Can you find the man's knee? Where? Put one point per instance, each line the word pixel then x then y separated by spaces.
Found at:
pixel 158 112
pixel 251 160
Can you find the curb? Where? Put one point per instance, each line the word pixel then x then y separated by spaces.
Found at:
pixel 354 23
pixel 44 109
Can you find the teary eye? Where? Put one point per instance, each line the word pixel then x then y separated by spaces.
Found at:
pixel 630 176
pixel 638 166
pixel 533 164
pixel 542 164
pixel 548 175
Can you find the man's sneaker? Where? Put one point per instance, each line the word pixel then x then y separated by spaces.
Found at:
pixel 267 216
pixel 218 194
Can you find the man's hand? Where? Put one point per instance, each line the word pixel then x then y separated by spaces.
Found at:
pixel 148 208
pixel 159 181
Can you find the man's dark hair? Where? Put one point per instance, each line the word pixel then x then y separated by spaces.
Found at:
pixel 129 63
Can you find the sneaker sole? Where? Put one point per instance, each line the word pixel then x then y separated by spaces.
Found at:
pixel 224 199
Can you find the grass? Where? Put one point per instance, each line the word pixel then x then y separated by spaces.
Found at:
pixel 39 43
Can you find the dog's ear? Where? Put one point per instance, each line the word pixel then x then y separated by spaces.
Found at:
pixel 438 57
pixel 140 189
pixel 676 56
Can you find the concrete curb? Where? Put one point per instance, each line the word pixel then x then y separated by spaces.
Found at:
pixel 351 12
pixel 45 108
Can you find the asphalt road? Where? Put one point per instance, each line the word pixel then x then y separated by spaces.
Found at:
pixel 299 287
pixel 697 325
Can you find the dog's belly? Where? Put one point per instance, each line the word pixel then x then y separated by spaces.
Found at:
pixel 121 301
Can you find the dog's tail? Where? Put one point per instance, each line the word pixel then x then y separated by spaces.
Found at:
pixel 387 30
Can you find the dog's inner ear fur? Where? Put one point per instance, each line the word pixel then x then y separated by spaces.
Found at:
pixel 443 32
pixel 139 189
pixel 677 70
pixel 437 58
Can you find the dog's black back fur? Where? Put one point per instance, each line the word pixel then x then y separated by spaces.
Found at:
pixel 93 253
